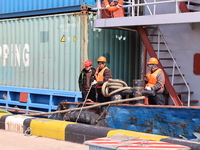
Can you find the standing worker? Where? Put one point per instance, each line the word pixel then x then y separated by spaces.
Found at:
pixel 85 79
pixel 103 73
pixel 155 80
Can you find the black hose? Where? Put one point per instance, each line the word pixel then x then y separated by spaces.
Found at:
pixel 86 117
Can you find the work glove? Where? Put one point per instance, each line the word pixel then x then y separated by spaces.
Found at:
pixel 148 88
pixel 94 82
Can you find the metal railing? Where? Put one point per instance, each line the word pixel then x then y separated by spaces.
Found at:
pixel 175 65
pixel 133 7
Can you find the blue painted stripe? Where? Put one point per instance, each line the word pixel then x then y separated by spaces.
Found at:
pixel 41 12
pixel 38 99
pixel 10 6
pixel 41 91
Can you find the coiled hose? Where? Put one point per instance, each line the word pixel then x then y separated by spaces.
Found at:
pixel 116 84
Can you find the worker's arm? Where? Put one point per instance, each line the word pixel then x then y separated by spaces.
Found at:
pixel 80 81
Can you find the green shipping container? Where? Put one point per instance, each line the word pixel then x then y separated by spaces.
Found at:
pixel 47 52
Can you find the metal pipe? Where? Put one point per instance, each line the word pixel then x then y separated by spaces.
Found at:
pixel 148 8
pixel 134 30
pixel 138 8
pixel 154 8
pixel 133 8
pixel 132 91
pixel 98 8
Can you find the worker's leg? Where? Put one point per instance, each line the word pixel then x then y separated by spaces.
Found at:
pixel 158 99
pixel 152 100
pixel 92 94
pixel 83 95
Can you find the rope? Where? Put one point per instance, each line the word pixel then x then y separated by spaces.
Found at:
pixel 87 107
pixel 103 113
pixel 84 102
pixel 117 84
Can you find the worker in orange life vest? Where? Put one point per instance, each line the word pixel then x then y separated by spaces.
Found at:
pixel 103 73
pixel 155 80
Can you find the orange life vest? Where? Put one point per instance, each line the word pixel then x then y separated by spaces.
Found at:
pixel 99 76
pixel 152 78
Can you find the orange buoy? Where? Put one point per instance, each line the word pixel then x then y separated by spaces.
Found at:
pixel 114 8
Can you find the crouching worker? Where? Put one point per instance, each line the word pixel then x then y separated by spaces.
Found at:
pixel 103 73
pixel 155 80
pixel 85 79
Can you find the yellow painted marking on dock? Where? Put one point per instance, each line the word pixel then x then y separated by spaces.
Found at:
pixel 137 134
pixel 4 114
pixel 49 128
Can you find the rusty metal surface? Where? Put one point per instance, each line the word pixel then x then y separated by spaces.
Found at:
pixel 169 120
pixel 196 66
pixel 173 121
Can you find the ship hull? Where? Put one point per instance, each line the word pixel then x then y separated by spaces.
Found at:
pixel 163 120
